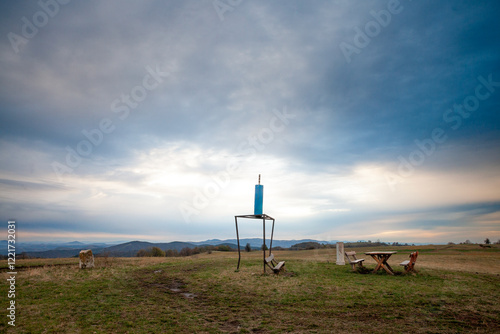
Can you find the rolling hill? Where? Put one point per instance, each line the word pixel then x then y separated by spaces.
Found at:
pixel 130 249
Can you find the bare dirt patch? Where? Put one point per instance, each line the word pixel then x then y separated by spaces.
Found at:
pixel 160 281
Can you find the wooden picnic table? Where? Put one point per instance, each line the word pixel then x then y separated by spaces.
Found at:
pixel 381 259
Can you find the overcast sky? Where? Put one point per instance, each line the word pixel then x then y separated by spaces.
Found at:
pixel 151 120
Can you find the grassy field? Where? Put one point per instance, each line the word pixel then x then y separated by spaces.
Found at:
pixel 457 289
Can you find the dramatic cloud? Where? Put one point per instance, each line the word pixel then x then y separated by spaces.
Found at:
pixel 152 120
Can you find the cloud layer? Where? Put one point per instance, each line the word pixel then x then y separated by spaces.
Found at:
pixel 372 120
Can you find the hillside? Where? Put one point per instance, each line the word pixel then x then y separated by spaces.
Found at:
pixel 131 248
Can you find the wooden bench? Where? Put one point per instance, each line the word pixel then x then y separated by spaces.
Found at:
pixel 355 261
pixel 410 264
pixel 275 265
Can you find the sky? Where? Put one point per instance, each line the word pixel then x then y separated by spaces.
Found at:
pixel 151 120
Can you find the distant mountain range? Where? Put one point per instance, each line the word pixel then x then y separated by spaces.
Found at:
pixel 257 242
pixel 130 249
pixel 39 246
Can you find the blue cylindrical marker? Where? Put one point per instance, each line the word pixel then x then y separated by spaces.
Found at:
pixel 259 198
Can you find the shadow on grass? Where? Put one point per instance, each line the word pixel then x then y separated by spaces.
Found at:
pixel 365 270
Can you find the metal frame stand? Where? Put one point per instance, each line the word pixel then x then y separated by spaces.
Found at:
pixel 264 217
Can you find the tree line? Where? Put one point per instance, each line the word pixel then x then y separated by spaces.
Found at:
pixel 186 251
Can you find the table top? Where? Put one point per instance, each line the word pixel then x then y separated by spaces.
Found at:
pixel 380 253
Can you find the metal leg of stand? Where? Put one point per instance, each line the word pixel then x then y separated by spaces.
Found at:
pixel 238 238
pixel 264 243
pixel 271 243
pixel 264 218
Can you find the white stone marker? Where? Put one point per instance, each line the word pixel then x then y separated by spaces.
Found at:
pixel 86 259
pixel 340 254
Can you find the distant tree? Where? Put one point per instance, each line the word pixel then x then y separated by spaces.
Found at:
pixel 186 251
pixel 223 248
pixel 467 242
pixel 171 253
pixel 196 250
pixel 487 241
pixel 23 255
pixel 210 249
pixel 142 253
pixel 157 252
pixel 248 248
pixel 264 247
pixel 498 242
pixel 451 243
pixel 306 245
